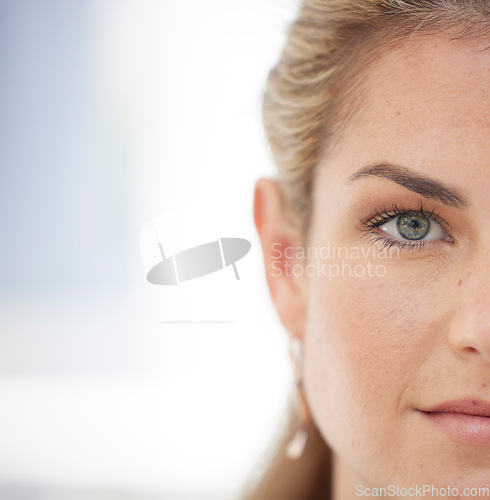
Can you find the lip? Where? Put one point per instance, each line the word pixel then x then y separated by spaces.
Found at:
pixel 467 420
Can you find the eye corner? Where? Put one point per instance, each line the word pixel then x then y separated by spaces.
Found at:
pixel 385 226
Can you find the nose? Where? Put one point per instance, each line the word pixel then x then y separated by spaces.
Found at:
pixel 469 331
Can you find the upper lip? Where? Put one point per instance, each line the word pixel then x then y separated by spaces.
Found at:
pixel 468 406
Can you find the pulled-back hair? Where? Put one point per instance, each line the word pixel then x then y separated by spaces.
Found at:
pixel 310 95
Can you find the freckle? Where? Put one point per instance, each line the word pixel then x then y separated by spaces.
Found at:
pixel 484 386
pixel 398 113
pixel 473 402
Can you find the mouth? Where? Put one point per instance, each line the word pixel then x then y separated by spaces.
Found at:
pixel 466 420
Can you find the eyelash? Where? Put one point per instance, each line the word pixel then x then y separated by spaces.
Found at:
pixel 383 216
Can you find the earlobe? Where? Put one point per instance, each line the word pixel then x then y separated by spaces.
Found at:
pixel 280 244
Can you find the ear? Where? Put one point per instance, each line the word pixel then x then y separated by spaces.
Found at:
pixel 282 248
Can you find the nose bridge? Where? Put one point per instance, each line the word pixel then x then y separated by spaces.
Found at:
pixel 477 281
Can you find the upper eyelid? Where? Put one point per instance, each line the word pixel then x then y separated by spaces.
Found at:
pixel 386 215
pixel 391 217
pixel 368 228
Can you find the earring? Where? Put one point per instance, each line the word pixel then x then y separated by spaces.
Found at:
pixel 297 444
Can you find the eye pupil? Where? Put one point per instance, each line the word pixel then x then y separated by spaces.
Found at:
pixel 413 227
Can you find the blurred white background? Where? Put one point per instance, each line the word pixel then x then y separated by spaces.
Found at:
pixel 117 114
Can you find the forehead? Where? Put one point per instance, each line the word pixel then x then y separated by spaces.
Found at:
pixel 423 102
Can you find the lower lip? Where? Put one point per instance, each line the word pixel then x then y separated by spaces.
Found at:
pixel 472 429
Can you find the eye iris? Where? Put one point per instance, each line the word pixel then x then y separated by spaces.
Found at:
pixel 413 227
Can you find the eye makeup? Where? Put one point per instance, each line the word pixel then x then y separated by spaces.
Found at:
pixel 414 227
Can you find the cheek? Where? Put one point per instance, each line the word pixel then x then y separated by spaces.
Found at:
pixel 366 340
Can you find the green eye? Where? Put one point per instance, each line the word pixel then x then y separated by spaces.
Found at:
pixel 413 227
pixel 406 228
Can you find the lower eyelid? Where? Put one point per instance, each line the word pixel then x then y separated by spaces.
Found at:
pixel 388 242
pixel 376 236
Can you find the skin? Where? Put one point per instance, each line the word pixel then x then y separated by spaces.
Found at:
pixel 377 349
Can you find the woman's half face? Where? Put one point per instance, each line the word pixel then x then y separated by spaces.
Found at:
pixel 397 328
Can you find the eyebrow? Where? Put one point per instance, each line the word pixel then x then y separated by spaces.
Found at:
pixel 425 186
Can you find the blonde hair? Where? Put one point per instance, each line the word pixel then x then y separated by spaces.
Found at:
pixel 310 95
